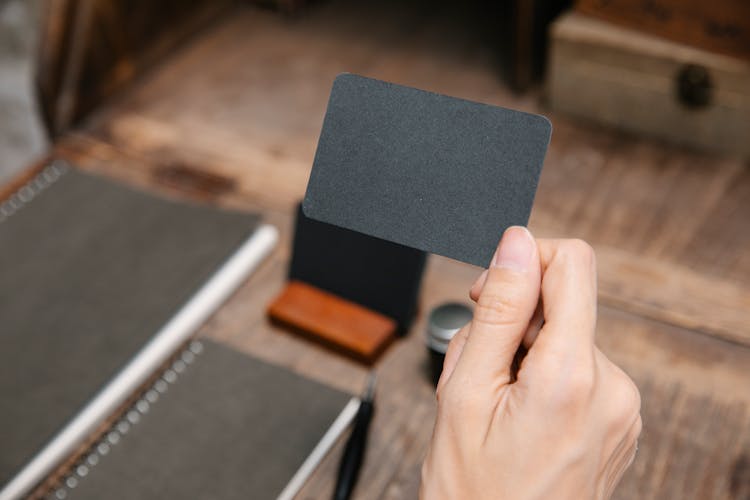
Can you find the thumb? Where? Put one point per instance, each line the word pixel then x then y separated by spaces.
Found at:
pixel 505 305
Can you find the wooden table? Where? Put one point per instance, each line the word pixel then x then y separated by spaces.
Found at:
pixel 233 119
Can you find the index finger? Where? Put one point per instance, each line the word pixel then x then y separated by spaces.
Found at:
pixel 569 296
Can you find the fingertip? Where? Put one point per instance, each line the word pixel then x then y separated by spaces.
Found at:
pixel 516 251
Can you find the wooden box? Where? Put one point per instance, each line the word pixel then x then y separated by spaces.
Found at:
pixel 643 84
pixel 721 26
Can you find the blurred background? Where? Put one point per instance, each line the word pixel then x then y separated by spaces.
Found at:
pixel 222 101
pixel 662 68
pixel 22 136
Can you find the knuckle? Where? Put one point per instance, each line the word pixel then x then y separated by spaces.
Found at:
pixel 575 391
pixel 496 309
pixel 578 250
pixel 632 398
pixel 579 386
pixel 629 394
pixel 625 401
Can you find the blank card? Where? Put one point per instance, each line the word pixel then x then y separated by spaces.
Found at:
pixel 432 172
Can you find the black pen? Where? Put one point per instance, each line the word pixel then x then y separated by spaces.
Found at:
pixel 351 460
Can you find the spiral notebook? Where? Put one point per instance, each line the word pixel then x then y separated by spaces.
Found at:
pixel 217 424
pixel 100 285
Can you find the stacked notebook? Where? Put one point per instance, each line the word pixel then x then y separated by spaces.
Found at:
pixel 228 427
pixel 100 286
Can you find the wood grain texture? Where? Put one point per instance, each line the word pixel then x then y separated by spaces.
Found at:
pixel 674 293
pixel 721 26
pixel 333 321
pixel 627 196
pixel 670 226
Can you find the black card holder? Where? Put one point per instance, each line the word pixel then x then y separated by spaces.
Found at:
pixel 383 276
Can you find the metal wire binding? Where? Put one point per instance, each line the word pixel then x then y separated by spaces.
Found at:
pixel 31 189
pixel 130 418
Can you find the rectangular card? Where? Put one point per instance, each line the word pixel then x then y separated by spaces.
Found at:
pixel 432 172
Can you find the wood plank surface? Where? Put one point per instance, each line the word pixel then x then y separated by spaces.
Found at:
pixel 245 101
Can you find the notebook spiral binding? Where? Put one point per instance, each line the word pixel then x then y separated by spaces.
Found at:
pixel 31 189
pixel 129 418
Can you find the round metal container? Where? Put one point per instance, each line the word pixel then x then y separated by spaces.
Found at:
pixel 443 323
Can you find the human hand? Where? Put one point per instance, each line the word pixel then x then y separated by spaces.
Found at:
pixel 566 426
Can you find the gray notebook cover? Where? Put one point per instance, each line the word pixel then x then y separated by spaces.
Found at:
pixel 229 427
pixel 89 271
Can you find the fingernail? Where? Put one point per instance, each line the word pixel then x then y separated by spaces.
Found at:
pixel 516 249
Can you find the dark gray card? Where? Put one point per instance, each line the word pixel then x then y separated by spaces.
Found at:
pixel 425 170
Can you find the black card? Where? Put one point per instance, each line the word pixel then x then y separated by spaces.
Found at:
pixel 428 171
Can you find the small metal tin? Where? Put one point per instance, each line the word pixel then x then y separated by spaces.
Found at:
pixel 443 323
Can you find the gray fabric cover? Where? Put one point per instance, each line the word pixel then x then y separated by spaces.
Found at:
pixel 230 427
pixel 428 171
pixel 89 271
